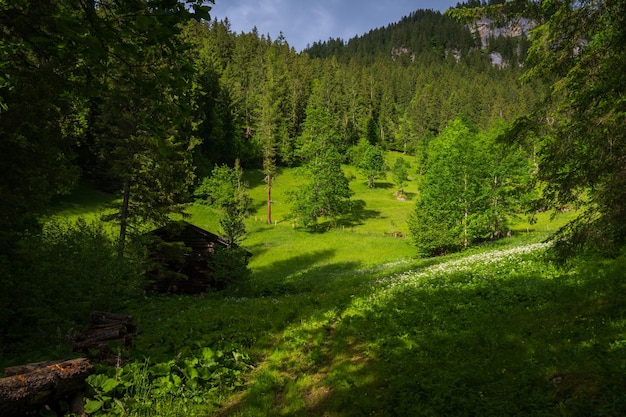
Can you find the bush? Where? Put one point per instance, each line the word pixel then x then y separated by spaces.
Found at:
pixel 229 265
pixel 57 277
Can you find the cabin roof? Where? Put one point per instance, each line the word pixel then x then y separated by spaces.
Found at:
pixel 191 235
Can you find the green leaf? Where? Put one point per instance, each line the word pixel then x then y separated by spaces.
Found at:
pixel 161 369
pixel 208 354
pixel 92 406
pixel 109 385
pixel 191 373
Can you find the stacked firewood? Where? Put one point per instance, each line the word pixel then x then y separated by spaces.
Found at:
pixel 107 333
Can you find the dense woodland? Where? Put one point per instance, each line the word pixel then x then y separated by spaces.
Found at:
pixel 153 100
pixel 145 100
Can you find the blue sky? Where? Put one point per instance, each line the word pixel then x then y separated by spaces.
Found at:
pixel 306 21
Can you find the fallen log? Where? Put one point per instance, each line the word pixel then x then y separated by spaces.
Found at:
pixel 96 334
pixel 29 367
pixel 47 384
pixel 103 318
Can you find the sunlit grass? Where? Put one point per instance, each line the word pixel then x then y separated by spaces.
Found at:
pixel 349 322
pixel 498 333
pixel 292 258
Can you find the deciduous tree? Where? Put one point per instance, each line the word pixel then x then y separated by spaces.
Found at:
pixel 327 192
pixel 400 173
pixel 471 188
pixel 372 164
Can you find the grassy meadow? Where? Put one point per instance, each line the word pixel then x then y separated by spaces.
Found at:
pixel 350 323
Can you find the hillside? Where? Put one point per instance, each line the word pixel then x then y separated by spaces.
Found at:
pixel 435 223
pixel 327 317
pixel 426 33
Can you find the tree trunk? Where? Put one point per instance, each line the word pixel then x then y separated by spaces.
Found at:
pixel 269 199
pixel 124 216
pixel 45 385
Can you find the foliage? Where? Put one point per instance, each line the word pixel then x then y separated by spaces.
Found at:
pixel 226 190
pixel 580 128
pixel 41 111
pixel 59 276
pixel 229 265
pixel 141 126
pixel 349 314
pixel 400 173
pixel 106 80
pixel 372 163
pixel 304 319
pixel 149 98
pixel 470 189
pixel 318 129
pixel 174 388
pixel 426 33
pixel 327 193
pixel 463 334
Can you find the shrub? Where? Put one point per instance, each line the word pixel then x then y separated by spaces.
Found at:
pixel 59 275
pixel 229 265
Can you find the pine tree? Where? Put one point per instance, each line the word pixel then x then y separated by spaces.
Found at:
pixel 225 190
pixel 579 50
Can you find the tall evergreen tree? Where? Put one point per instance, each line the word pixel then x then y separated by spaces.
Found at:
pixel 42 108
pixel 64 61
pixel 141 111
pixel 583 148
pixel 272 125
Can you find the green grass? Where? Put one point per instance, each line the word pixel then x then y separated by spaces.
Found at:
pixel 83 202
pixel 499 332
pixel 282 251
pixel 349 323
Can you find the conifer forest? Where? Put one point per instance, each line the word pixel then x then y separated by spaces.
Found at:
pixel 426 219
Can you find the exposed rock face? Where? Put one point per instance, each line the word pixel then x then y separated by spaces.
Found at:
pixel 496 59
pixel 487 28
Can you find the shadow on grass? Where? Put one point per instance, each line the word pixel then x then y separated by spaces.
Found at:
pixel 299 274
pixel 519 345
pixel 410 196
pixel 383 185
pixel 83 200
pixel 359 214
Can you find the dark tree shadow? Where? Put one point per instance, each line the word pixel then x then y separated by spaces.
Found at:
pixel 295 275
pixel 358 215
pixel 383 185
pixel 410 196
pixel 519 345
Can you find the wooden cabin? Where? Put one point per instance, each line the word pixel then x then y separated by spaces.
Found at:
pixel 180 253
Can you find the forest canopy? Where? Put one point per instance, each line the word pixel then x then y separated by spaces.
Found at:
pixel 144 98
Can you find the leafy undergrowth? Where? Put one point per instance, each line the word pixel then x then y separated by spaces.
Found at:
pixel 497 333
